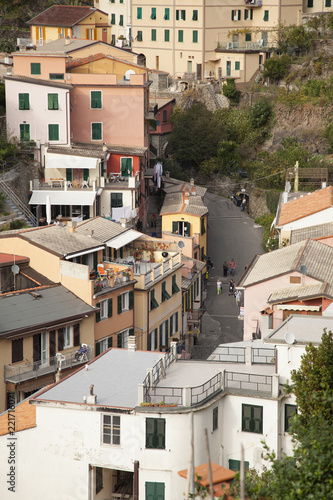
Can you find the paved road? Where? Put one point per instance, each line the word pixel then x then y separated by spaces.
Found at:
pixel 231 234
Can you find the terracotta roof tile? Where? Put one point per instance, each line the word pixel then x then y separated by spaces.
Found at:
pixel 306 205
pixel 62 15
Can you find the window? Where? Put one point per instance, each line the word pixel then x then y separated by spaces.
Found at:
pixel 180 14
pixel 126 166
pixel 96 131
pixel 266 15
pixel 165 295
pixel 56 76
pixel 153 301
pixel 152 340
pixel 180 36
pixel 195 15
pixel 166 14
pixel 252 418
pixel 96 99
pixel 125 301
pixel 113 39
pixel 294 279
pixel 236 15
pixel 112 1
pixel 17 350
pixel 153 35
pixel 182 228
pixel 174 324
pixel 103 345
pixel 154 491
pixel 289 411
pixel 215 418
pixel 122 338
pixel 24 101
pixel 155 433
pixel 53 132
pixel 164 333
pixel 116 200
pixel 113 18
pixel 235 465
pixel 139 13
pixel 195 36
pixel 175 288
pixel 68 337
pixel 99 479
pixel 24 132
pixel 310 4
pixel 105 310
pixel 248 14
pixel 248 37
pixel 165 115
pixel 166 35
pixel 153 13
pixel 35 68
pixel 203 229
pixel 111 429
pixel 52 101
pixel 237 65
pixel 121 20
pixel 139 36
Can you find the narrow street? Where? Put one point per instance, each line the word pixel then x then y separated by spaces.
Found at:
pixel 231 234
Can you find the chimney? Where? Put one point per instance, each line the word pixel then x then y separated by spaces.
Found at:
pixel 67 40
pixel 186 196
pixel 192 182
pixel 131 343
pixel 92 398
pixel 193 191
pixel 71 224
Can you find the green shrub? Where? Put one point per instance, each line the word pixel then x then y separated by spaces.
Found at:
pixel 261 113
pixel 270 239
pixel 314 88
pixel 277 67
pixel 272 200
pixel 17 224
pixel 229 90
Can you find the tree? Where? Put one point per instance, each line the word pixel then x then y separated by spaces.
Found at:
pixel 261 113
pixel 277 67
pixel 229 90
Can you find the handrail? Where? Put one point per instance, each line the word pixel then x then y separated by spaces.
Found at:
pixel 16 200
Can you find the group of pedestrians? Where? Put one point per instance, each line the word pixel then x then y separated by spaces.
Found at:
pixel 231 287
pixel 231 266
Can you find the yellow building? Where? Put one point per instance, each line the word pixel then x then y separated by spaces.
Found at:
pixel 67 21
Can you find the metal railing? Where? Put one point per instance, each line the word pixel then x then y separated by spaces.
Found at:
pixel 169 395
pixel 18 374
pixel 169 358
pixel 242 45
pixel 146 388
pixel 158 372
pixel 261 355
pixel 201 393
pixel 18 203
pixel 230 354
pixel 248 382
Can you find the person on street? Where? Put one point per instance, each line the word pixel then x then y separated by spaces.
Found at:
pixel 210 264
pixel 225 269
pixel 232 265
pixel 231 287
pixel 243 204
pixel 219 287
pixel 238 297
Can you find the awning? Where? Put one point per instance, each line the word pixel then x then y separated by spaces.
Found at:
pixel 53 160
pixel 214 60
pixel 81 197
pixel 123 239
pixel 297 307
pixel 84 252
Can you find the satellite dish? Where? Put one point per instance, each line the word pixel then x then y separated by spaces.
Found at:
pixel 128 74
pixel 181 244
pixel 165 254
pixel 15 269
pixel 289 338
pixel 304 270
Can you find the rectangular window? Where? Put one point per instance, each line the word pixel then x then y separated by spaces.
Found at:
pixel 248 14
pixel 252 418
pixel 166 14
pixel 68 337
pixel 174 324
pixel 113 18
pixel 164 334
pixel 122 338
pixel 103 345
pixel 139 13
pixel 99 479
pixel 153 13
pixel 166 35
pixel 266 15
pixel 289 411
pixel 165 115
pixel 237 65
pixel 203 229
pixel 52 101
pixel 111 429
pixel 126 167
pixel 17 350
pixel 195 36
pixel 96 131
pixel 96 99
pixel 56 76
pixel 153 302
pixel 195 15
pixel 152 340
pixel 165 295
pixel 248 37
pixel 105 310
pixel 123 302
pixel 153 35
pixel 121 20
pixel 116 200
pixel 155 433
pixel 139 36
pixel 53 132
pixel 24 101
pixel 154 491
pixel 215 418
pixel 235 465
pixel 310 4
pixel 175 288
pixel 180 36
pixel 35 68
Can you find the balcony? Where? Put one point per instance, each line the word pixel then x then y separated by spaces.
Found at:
pixel 37 369
pixel 194 315
pixel 259 44
pixel 253 3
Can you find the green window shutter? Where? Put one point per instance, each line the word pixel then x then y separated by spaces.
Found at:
pixel 248 37
pixel 161 337
pixel 69 174
pixel 113 18
pixel 53 101
pixel 121 20
pixel 97 348
pixel 96 99
pixel 149 341
pixel 187 228
pixel 195 36
pixel 180 36
pixel 327 3
pixel 166 14
pixel 257 419
pixel 139 13
pixel 139 36
pixel 85 174
pixel 120 340
pixel 251 14
pixel 167 329
pixel 203 229
pixel 131 299
pixel 153 13
pixel 96 131
pixel 237 67
pixel 174 226
pixel 98 316
pixel 119 304
pixel 24 132
pixel 109 308
pixel 35 68
pixel 53 132
pixel 110 342
pixel 165 115
pixel 153 35
pixel 246 418
pixel 149 432
pixel 160 433
pixel 176 317
pixel 131 331
pixel 289 411
pixel 310 4
pixel 24 101
pixel 232 15
pixel 126 165
pixel 177 15
pixel 166 35
pixel 266 15
pixel 171 325
pixel 195 15
pixel 239 12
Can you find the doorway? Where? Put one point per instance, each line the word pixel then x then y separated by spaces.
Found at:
pixel 228 68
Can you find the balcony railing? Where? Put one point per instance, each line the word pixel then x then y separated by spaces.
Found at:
pixel 248 382
pixel 22 373
pixel 242 45
pixel 253 3
pixel 203 392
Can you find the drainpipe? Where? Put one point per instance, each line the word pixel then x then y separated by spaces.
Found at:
pixel 148 298
pixel 173 38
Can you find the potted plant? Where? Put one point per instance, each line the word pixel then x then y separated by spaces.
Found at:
pixel 126 276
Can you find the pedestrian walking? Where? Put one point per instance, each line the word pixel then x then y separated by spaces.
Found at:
pixel 219 287
pixel 238 297
pixel 231 287
pixel 210 264
pixel 243 204
pixel 206 275
pixel 232 265
pixel 225 269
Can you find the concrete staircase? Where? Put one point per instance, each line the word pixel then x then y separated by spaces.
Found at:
pixel 17 206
